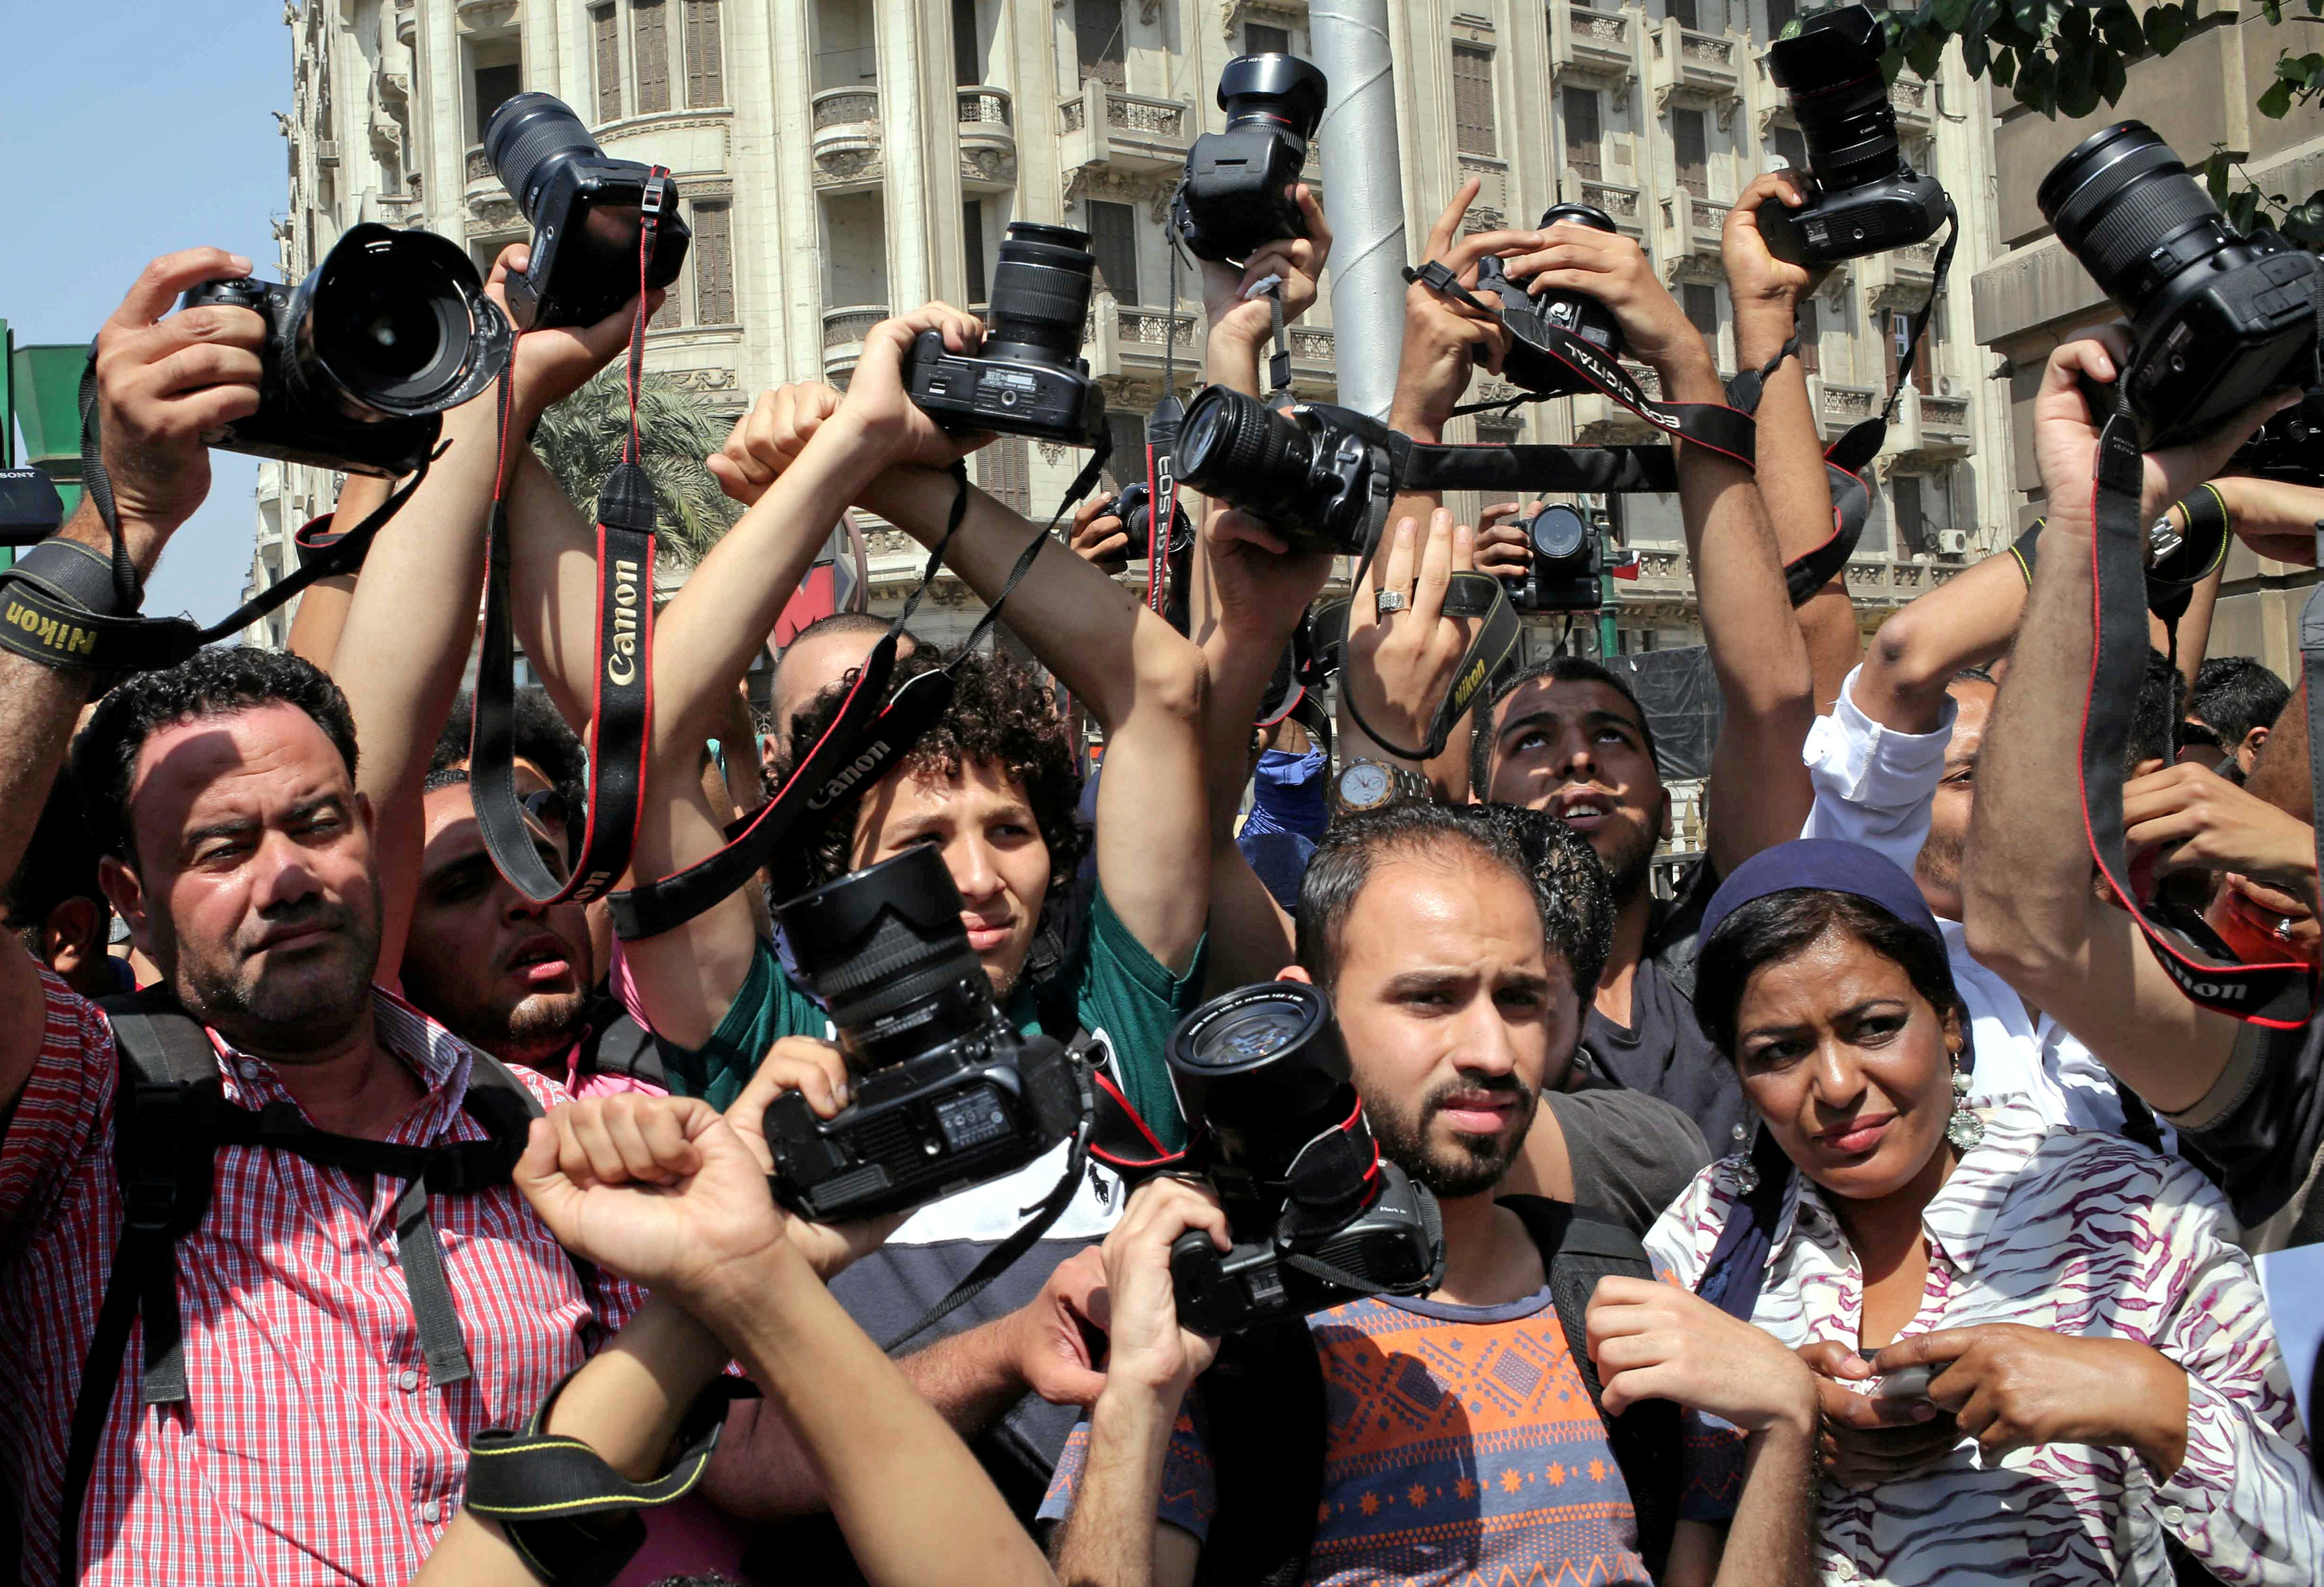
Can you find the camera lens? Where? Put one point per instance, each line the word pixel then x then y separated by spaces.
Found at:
pixel 885 950
pixel 1558 533
pixel 2127 208
pixel 1264 1070
pixel 1279 88
pixel 1235 448
pixel 1831 70
pixel 524 140
pixel 1040 294
pixel 395 319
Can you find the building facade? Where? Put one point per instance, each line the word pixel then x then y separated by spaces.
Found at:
pixel 2034 294
pixel 841 159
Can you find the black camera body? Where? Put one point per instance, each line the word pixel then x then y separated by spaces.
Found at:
pixel 360 358
pixel 1565 573
pixel 587 211
pixel 1135 507
pixel 1234 199
pixel 1864 195
pixel 1028 378
pixel 1312 473
pixel 2219 320
pixel 1577 314
pixel 1315 1217
pixel 2289 448
pixel 948 1095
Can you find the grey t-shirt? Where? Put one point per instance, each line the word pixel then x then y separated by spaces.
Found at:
pixel 1632 1155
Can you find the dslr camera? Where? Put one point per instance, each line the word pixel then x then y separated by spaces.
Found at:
pixel 1317 1218
pixel 2289 448
pixel 1028 378
pixel 1575 313
pixel 947 1094
pixel 1570 556
pixel 1135 507
pixel 360 358
pixel 1864 196
pixel 1312 473
pixel 1234 199
pixel 587 211
pixel 2219 320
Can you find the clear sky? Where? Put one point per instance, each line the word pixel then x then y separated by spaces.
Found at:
pixel 130 128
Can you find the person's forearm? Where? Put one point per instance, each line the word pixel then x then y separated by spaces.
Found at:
pixel 1767 1543
pixel 1109 1540
pixel 322 613
pixel 1232 361
pixel 1969 619
pixel 2194 628
pixel 915 1506
pixel 2270 510
pixel 1251 935
pixel 553 587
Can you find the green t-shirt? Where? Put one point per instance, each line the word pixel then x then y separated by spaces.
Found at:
pixel 1120 995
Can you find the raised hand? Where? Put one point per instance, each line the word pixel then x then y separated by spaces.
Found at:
pixel 1401 663
pixel 817 1071
pixel 2203 822
pixel 1100 539
pixel 556 361
pixel 1655 1340
pixel 1260 587
pixel 1445 340
pixel 891 422
pixel 769 438
pixel 165 385
pixel 1754 275
pixel 1615 271
pixel 1147 1347
pixel 1502 548
pixel 1299 261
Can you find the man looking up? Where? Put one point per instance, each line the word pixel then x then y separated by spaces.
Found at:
pixel 1458 1003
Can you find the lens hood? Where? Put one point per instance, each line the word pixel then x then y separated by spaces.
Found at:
pixel 1281 89
pixel 398 321
pixel 1829 50
pixel 915 886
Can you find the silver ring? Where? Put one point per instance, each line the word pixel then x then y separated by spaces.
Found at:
pixel 1388 601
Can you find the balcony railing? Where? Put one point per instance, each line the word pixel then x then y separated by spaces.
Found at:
pixel 988 107
pixel 846 137
pixel 1102 125
pixel 843 106
pixel 479 168
pixel 1598 41
pixel 847 326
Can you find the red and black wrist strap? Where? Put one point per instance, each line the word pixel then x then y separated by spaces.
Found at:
pixel 572 1518
pixel 621 723
pixel 2277 995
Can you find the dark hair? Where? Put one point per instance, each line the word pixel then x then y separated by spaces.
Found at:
pixel 542 736
pixel 2154 720
pixel 1768 930
pixel 218 682
pixel 1000 712
pixel 2234 694
pixel 1569 889
pixel 60 863
pixel 841 622
pixel 1558 669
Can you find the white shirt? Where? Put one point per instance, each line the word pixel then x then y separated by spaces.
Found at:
pixel 1874 785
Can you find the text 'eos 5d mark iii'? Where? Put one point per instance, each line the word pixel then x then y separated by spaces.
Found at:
pixel 1317 1218
pixel 947 1094
pixel 1235 197
pixel 587 212
pixel 361 356
pixel 1864 195
pixel 2219 320
pixel 1028 378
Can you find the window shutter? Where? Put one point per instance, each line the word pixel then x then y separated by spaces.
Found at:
pixel 1472 100
pixel 1905 507
pixel 1811 327
pixel 1127 464
pixel 705 60
pixel 1684 10
pixel 1687 139
pixel 1005 471
pixel 714 264
pixel 650 38
pixel 1114 238
pixel 605 31
pixel 967 58
pixel 972 244
pixel 493 84
pixel 1702 303
pixel 1583 136
pixel 1097 42
pixel 1925 367
pixel 1258 39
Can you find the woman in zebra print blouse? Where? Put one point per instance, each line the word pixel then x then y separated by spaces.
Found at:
pixel 2063 1360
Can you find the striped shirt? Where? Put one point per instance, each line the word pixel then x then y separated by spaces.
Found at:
pixel 311 1447
pixel 2081 1233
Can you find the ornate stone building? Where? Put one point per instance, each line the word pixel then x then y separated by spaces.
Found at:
pixel 843 158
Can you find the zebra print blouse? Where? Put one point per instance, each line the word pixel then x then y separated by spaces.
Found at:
pixel 2081 1233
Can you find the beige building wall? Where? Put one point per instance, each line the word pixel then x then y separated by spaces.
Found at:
pixel 841 159
pixel 2035 294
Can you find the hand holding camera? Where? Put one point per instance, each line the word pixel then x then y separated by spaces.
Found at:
pixel 890 422
pixel 1577 257
pixel 1151 1348
pixel 552 363
pixel 1246 323
pixel 1504 549
pixel 1401 647
pixel 1755 278
pixel 1445 340
pixel 1236 197
pixel 1101 533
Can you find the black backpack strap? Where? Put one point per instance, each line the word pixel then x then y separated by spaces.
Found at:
pixel 1264 1425
pixel 1579 1246
pixel 624 1047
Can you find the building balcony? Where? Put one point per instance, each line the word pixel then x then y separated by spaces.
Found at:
pixel 1840 406
pixel 1704 66
pixel 1102 126
pixel 1622 205
pixel 1913 100
pixel 1128 342
pixel 1692 228
pixel 846 139
pixel 987 140
pixel 480 183
pixel 1593 44
pixel 843 330
pixel 1916 265
pixel 1934 427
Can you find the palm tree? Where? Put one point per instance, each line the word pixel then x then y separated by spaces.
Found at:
pixel 581 439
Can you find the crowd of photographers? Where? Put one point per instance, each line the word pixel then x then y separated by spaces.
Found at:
pixel 1312 1150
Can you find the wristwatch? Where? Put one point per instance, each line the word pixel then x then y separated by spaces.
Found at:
pixel 1372 785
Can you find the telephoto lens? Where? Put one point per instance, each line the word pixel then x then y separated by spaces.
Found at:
pixel 946 1094
pixel 1028 378
pixel 389 331
pixel 1309 474
pixel 1235 197
pixel 1316 1217
pixel 1527 363
pixel 1864 197
pixel 586 210
pixel 2219 319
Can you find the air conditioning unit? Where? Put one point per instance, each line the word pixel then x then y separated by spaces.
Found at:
pixel 1945 385
pixel 1952 542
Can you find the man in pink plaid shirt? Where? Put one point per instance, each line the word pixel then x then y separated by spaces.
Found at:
pixel 315 1440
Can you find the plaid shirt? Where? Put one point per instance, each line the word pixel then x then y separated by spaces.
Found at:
pixel 310 1448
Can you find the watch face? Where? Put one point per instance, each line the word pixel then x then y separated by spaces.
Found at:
pixel 1363 784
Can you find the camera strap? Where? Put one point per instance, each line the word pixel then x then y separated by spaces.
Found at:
pixel 622 720
pixel 1161 459
pixel 68 606
pixel 2275 995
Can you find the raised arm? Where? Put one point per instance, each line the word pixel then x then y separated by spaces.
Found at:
pixel 322 611
pixel 2030 909
pixel 1968 620
pixel 162 384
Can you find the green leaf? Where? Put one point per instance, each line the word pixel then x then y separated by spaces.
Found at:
pixel 2166 25
pixel 2273 9
pixel 1926 56
pixel 2214 175
pixel 2073 30
pixel 2037 84
pixel 2003 69
pixel 1974 56
pixel 2277 103
pixel 2304 223
pixel 2108 73
pixel 1953 15
pixel 2077 95
pixel 2120 25
pixel 2242 210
